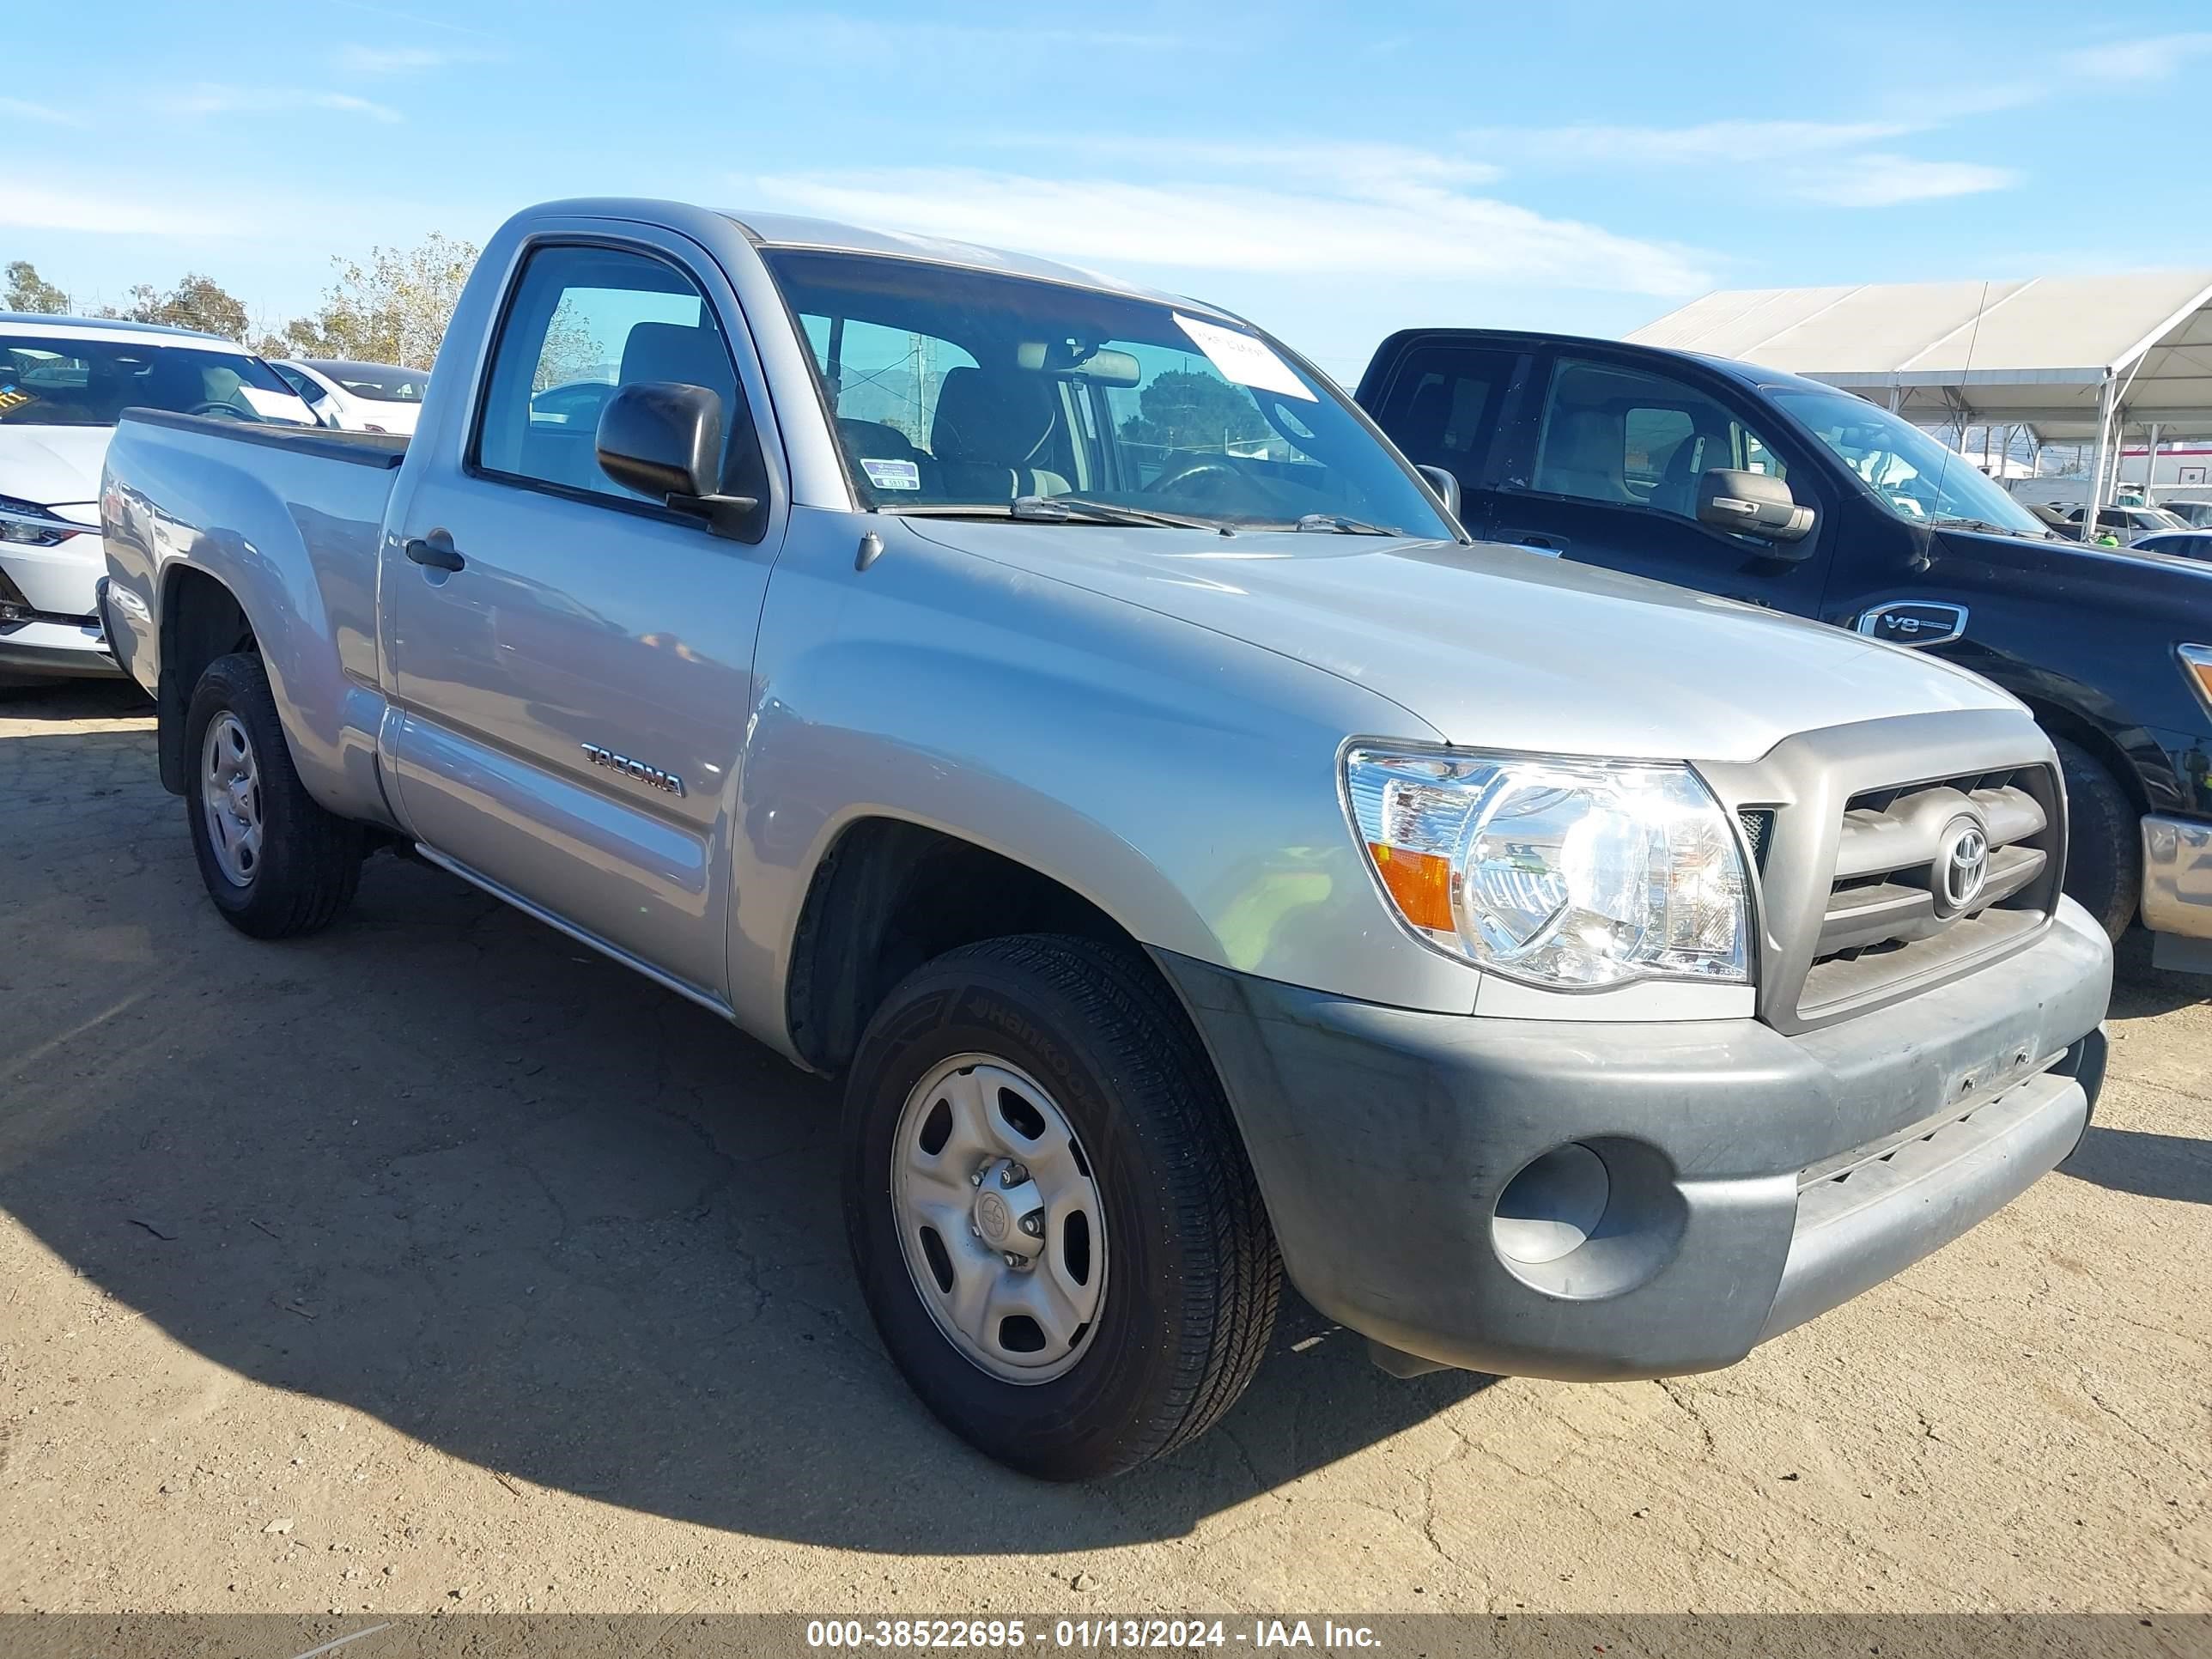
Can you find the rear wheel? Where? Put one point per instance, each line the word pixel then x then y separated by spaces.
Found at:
pixel 1050 1209
pixel 274 861
pixel 2104 841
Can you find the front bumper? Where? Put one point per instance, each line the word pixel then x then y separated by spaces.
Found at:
pixel 2177 883
pixel 56 648
pixel 49 625
pixel 1749 1180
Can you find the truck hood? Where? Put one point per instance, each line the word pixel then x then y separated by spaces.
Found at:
pixel 2104 582
pixel 1494 645
pixel 54 466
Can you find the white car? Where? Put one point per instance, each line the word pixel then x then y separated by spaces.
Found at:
pixel 357 396
pixel 64 380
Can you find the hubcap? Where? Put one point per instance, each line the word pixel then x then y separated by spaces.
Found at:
pixel 230 796
pixel 999 1218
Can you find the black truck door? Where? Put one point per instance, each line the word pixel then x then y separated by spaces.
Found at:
pixel 1440 400
pixel 1604 468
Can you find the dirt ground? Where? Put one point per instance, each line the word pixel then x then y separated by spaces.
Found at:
pixel 435 1263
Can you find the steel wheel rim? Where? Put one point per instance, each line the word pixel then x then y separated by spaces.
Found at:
pixel 981 1150
pixel 230 799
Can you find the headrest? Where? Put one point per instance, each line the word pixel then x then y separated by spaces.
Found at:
pixel 1002 419
pixel 676 351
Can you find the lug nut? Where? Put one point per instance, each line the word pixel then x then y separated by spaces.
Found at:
pixel 1012 1176
pixel 1033 1224
pixel 976 1179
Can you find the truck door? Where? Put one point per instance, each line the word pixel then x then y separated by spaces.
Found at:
pixel 1605 471
pixel 572 661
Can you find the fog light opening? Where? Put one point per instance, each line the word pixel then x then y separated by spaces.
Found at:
pixel 1553 1206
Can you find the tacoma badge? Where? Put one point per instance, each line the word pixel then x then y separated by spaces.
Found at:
pixel 635 769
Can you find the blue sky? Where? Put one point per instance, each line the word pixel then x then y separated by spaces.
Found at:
pixel 1332 171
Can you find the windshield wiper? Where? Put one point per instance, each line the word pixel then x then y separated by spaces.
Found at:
pixel 1343 526
pixel 1054 509
pixel 1060 509
pixel 1953 521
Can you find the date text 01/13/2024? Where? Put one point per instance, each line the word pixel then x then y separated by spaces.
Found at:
pixel 1262 1635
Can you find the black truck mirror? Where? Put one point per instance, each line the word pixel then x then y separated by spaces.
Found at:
pixel 1754 504
pixel 663 440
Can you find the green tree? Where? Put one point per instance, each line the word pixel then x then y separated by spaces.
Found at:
pixel 28 291
pixel 394 309
pixel 196 301
pixel 1189 409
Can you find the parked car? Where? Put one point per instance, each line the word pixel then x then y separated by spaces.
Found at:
pixel 1184 854
pixel 63 382
pixel 1784 493
pixel 2195 514
pixel 2125 523
pixel 2176 544
pixel 351 397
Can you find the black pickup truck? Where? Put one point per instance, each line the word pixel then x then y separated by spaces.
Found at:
pixel 1782 492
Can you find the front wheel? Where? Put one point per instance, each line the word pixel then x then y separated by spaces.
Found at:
pixel 274 861
pixel 2104 849
pixel 1051 1212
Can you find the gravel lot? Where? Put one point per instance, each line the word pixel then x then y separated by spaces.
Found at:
pixel 433 1263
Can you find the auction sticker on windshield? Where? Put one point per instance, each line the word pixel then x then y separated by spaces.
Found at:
pixel 1242 359
pixel 892 475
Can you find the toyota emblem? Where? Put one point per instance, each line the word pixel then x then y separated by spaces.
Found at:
pixel 1962 866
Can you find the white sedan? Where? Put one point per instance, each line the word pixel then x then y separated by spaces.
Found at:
pixel 63 382
pixel 354 396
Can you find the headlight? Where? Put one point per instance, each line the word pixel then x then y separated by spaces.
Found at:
pixel 1567 874
pixel 2196 662
pixel 24 521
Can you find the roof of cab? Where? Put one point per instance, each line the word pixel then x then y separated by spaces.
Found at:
pixel 787 230
pixel 103 325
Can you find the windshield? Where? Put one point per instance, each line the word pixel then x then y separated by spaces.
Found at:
pixel 1917 477
pixel 963 390
pixel 58 381
pixel 378 382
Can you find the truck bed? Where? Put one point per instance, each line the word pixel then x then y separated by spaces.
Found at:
pixel 382 450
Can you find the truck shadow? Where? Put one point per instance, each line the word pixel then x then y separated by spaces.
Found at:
pixel 2176 1167
pixel 444 1167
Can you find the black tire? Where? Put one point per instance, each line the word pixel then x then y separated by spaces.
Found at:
pixel 309 862
pixel 1194 1278
pixel 2103 845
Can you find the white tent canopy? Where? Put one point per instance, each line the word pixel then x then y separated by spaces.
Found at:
pixel 2069 358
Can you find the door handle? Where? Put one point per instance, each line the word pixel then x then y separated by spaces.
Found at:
pixel 1536 541
pixel 438 552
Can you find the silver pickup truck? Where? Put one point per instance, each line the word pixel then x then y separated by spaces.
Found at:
pixel 1051 706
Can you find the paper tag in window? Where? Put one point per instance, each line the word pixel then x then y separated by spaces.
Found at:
pixel 893 475
pixel 1242 359
pixel 276 405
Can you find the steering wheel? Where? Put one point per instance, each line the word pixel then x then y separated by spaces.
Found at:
pixel 1175 480
pixel 230 411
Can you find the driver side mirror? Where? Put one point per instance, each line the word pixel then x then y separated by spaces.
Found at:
pixel 1446 484
pixel 1754 504
pixel 663 440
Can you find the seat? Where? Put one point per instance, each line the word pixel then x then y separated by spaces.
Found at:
pixel 1583 458
pixel 988 432
pixel 1677 491
pixel 1428 420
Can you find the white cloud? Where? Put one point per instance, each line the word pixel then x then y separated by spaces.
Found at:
pixel 2155 58
pixel 1879 180
pixel 356 59
pixel 208 99
pixel 1744 143
pixel 820 37
pixel 1405 227
pixel 34 207
pixel 21 109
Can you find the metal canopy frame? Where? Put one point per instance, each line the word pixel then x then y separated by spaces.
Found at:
pixel 2068 360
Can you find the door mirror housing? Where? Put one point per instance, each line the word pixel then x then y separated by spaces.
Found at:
pixel 1754 504
pixel 1446 484
pixel 663 440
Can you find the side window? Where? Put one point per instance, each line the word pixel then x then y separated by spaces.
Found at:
pixel 1628 437
pixel 1442 408
pixel 580 324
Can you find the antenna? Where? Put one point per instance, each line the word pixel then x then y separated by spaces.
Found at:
pixel 1924 559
